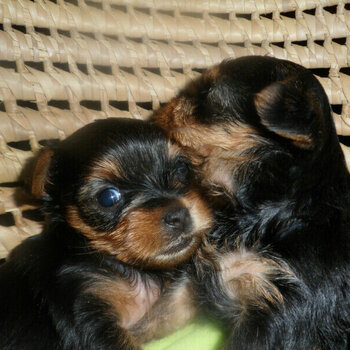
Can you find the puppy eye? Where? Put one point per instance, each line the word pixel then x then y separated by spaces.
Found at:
pixel 181 170
pixel 109 197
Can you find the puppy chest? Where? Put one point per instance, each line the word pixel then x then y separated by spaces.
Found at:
pixel 130 301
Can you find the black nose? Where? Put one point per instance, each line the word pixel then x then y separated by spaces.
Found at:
pixel 178 219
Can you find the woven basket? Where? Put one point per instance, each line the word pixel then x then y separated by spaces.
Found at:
pixel 65 63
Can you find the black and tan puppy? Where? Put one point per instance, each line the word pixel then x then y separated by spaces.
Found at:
pixel 121 214
pixel 260 131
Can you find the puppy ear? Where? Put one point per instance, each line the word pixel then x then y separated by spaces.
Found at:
pixel 293 109
pixel 41 172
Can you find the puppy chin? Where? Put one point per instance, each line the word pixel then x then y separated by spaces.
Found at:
pixel 177 251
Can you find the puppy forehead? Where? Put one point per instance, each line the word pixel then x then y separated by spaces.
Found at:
pixel 115 141
pixel 224 93
pixel 134 160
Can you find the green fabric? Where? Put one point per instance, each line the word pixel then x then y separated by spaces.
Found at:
pixel 199 335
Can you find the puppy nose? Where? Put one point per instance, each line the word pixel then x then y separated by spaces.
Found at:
pixel 178 219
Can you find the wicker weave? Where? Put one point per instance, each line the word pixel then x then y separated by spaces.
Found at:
pixel 65 63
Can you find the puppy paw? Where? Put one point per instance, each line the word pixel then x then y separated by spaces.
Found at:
pixel 251 278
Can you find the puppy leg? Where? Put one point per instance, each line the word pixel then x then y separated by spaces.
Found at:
pixel 82 319
pixel 278 310
pixel 97 327
pixel 258 297
pixel 171 312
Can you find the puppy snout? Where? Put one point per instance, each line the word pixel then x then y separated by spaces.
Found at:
pixel 178 219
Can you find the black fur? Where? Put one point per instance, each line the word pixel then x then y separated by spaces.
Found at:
pixel 293 203
pixel 288 201
pixel 46 300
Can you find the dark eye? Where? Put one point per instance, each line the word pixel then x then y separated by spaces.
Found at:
pixel 181 170
pixel 109 197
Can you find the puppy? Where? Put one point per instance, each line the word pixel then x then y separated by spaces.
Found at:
pixel 261 133
pixel 121 215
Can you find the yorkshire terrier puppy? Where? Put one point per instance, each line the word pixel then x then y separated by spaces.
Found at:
pixel 261 134
pixel 121 215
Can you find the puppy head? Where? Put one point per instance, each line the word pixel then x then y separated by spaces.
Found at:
pixel 250 116
pixel 127 189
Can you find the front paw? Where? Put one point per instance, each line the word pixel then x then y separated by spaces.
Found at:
pixel 250 278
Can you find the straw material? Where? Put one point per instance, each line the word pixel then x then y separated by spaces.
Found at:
pixel 65 63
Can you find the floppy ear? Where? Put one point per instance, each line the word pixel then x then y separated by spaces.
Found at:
pixel 293 109
pixel 41 171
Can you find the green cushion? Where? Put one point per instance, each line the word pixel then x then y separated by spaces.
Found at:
pixel 199 335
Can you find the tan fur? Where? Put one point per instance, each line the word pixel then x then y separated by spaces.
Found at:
pixel 206 145
pixel 213 73
pixel 137 237
pixel 105 169
pixel 247 275
pixel 141 237
pixel 268 96
pixel 200 213
pixel 174 310
pixel 40 174
pixel 143 234
pixel 302 141
pixel 130 301
pixel 173 149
